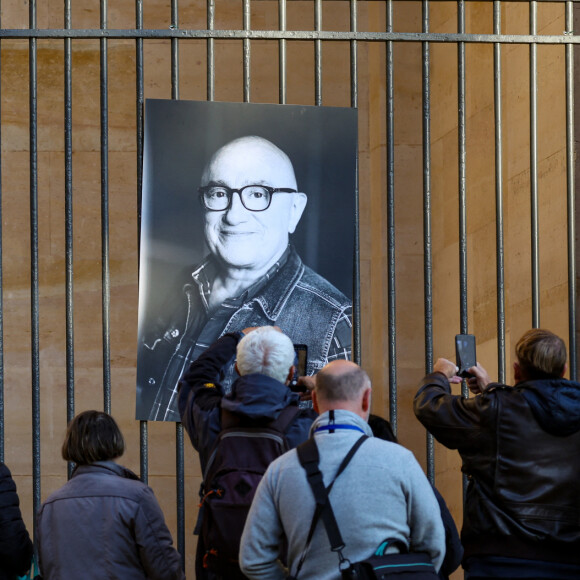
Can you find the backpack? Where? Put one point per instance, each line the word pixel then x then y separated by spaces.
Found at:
pixel 240 456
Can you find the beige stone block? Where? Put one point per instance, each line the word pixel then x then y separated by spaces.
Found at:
pixel 372 17
pixel 443 17
pixel 410 313
pixel 444 87
pixel 446 323
pixel 300 73
pixel 479 88
pixel 552 315
pixel 406 17
pixel 408 100
pixel 515 19
pixel 551 18
pixel 516 110
pixel 15 14
pixel 480 171
pixel 479 18
pixel 16 334
pixel 482 280
pixel 15 96
pixel 408 186
pixel 192 70
pixel 336 79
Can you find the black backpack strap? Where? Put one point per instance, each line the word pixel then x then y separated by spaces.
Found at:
pixel 309 459
pixel 285 418
pixel 229 419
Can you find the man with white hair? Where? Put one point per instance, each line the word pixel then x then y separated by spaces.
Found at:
pixel 260 397
pixel 382 494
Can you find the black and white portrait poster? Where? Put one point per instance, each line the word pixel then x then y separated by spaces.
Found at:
pixel 248 219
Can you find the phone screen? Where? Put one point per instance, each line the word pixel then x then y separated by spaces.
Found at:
pixel 300 360
pixel 465 353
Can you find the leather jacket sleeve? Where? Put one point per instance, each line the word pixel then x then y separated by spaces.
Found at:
pixel 457 423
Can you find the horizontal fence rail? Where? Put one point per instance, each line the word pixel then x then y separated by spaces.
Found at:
pixel 321 35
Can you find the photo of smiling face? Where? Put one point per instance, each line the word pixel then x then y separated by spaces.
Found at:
pixel 228 239
pixel 239 237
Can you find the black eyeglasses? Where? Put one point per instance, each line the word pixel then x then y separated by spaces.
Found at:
pixel 253 197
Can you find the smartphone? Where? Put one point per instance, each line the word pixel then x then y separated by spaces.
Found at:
pixel 465 354
pixel 300 360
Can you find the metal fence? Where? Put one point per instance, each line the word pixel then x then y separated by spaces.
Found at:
pixel 319 37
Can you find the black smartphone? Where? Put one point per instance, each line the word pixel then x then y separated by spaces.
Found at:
pixel 300 360
pixel 465 354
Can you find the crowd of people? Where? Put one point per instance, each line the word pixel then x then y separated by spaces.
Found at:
pixel 263 514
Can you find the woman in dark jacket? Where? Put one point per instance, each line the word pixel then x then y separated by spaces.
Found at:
pixel 103 523
pixel 15 543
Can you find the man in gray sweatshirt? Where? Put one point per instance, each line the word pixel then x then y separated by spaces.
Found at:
pixel 383 493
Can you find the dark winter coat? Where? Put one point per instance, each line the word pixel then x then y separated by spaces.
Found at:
pixel 105 523
pixel 15 543
pixel 520 448
pixel 254 398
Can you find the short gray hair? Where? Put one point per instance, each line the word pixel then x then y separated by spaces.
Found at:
pixel 265 351
pixel 344 386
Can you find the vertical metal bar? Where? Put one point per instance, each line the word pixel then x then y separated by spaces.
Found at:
pixel 356 350
pixel 570 173
pixel 499 196
pixel 180 477
pixel 282 52
pixel 462 160
pixel 35 341
pixel 2 433
pixel 428 275
pixel 210 52
pixel 391 304
pixel 246 48
pixel 534 168
pixel 174 51
pixel 106 299
pixel 180 491
pixel 179 458
pixel 462 187
pixel 353 56
pixel 318 54
pixel 140 102
pixel 68 201
pixel 139 105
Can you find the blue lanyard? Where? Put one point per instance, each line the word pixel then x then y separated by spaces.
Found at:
pixel 337 426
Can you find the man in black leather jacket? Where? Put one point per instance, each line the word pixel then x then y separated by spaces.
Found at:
pixel 520 449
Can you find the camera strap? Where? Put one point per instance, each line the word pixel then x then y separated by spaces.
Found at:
pixel 310 459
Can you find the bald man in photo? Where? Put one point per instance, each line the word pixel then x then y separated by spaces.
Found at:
pixel 252 276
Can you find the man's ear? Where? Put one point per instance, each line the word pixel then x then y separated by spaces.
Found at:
pixel 366 401
pixel 315 402
pixel 290 375
pixel 564 371
pixel 236 367
pixel 298 204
